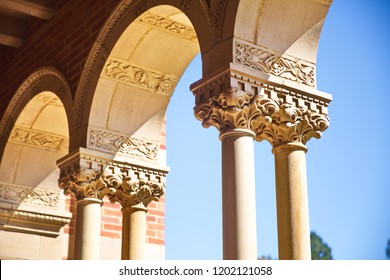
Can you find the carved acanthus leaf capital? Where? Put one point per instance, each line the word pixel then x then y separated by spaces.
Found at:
pixel 289 125
pixel 276 113
pixel 84 183
pixel 232 108
pixel 131 191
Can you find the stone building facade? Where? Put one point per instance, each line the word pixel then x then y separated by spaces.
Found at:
pixel 84 89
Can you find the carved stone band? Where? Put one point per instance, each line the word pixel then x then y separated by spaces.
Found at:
pixel 277 114
pixel 274 63
pixel 92 174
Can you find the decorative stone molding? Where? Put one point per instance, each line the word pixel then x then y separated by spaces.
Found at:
pixel 274 63
pixel 31 216
pixel 217 12
pixel 92 174
pixel 39 139
pixel 115 143
pixel 34 196
pixel 275 113
pixel 147 79
pixel 16 220
pixel 168 25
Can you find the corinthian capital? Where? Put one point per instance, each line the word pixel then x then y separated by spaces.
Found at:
pixel 92 174
pixel 84 183
pixel 232 108
pixel 290 125
pixel 276 113
pixel 131 191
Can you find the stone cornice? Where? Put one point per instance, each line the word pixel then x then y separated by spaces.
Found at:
pixel 92 174
pixel 274 112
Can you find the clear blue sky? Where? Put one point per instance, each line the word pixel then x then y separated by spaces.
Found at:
pixel 348 168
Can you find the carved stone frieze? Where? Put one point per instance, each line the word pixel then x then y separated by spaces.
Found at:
pixel 39 139
pixel 90 174
pixel 168 25
pixel 277 114
pixel 147 79
pixel 34 196
pixel 274 63
pixel 116 143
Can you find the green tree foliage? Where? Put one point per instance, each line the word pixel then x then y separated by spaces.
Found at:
pixel 388 249
pixel 319 249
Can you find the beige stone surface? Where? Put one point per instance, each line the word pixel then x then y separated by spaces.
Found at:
pixel 14 245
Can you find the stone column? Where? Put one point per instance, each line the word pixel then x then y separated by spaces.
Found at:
pixel 85 181
pixel 223 103
pixel 134 190
pixel 292 202
pixel 238 195
pixel 87 239
pixel 288 128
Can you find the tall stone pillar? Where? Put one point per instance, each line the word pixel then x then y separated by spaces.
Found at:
pixel 238 195
pixel 84 179
pixel 134 189
pixel 224 103
pixel 288 127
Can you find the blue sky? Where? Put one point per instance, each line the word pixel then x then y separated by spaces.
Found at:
pixel 348 168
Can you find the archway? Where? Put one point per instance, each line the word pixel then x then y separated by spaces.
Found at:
pixel 33 209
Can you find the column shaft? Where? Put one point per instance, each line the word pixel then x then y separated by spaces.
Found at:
pixel 238 195
pixel 133 233
pixel 292 202
pixel 88 221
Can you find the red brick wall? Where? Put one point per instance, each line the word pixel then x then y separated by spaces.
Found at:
pixel 62 42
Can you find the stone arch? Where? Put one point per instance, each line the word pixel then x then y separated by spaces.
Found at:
pixel 43 79
pixel 280 38
pixel 36 135
pixel 121 18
